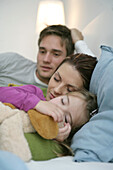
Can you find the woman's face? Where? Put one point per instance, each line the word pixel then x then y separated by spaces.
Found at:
pixel 74 108
pixel 66 79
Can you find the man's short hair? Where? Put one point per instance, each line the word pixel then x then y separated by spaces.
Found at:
pixel 63 32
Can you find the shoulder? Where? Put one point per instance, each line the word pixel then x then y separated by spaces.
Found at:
pixel 82 47
pixel 9 55
pixel 12 56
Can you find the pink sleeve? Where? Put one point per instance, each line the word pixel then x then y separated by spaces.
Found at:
pixel 23 97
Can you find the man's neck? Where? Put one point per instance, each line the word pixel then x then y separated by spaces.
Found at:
pixel 43 80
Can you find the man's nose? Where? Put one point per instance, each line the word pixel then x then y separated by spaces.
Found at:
pixel 47 57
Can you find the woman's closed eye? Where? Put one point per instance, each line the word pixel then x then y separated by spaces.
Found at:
pixel 56 79
pixel 71 88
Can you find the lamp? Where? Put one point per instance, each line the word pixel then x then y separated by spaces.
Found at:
pixel 49 13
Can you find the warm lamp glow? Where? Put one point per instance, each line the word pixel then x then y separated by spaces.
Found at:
pixel 49 13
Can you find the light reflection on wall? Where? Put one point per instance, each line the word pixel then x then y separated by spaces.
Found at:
pixel 49 12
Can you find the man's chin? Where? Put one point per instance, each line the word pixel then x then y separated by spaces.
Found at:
pixel 44 76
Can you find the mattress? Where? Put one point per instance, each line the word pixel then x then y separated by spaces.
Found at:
pixel 66 163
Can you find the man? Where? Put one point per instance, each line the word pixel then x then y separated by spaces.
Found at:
pixel 55 43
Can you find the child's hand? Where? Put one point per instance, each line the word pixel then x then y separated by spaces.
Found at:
pixel 50 109
pixel 63 132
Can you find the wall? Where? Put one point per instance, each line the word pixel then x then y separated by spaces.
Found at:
pixel 94 18
pixel 18 27
pixel 18 24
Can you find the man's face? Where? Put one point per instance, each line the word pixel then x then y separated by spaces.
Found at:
pixel 51 53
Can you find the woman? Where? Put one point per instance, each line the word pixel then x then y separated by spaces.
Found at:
pixel 72 75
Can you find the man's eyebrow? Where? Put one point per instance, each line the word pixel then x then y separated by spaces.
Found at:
pixel 56 50
pixel 42 48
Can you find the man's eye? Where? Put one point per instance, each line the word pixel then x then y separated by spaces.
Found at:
pixel 42 51
pixel 56 54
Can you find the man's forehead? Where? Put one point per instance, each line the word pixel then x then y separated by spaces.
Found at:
pixel 52 37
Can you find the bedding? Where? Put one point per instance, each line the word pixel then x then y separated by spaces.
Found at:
pixel 13 124
pixel 94 141
pixel 18 136
pixel 9 161
pixel 66 163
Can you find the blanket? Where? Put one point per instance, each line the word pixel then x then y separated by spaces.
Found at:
pixel 13 125
pixel 18 136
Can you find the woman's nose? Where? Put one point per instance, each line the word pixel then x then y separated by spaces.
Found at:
pixel 58 90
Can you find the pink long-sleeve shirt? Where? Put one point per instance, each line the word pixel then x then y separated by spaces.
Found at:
pixel 22 97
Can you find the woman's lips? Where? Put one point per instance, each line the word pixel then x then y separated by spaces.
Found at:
pixel 52 96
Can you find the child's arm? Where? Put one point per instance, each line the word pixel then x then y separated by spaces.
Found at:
pixel 22 97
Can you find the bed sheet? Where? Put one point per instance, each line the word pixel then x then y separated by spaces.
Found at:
pixel 66 163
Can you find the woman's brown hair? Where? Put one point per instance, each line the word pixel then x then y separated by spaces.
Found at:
pixel 84 64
